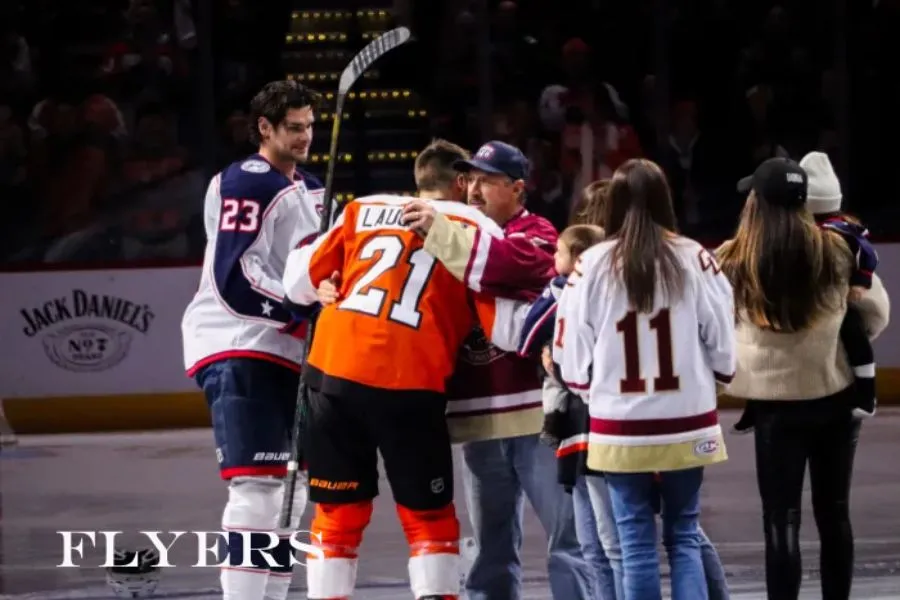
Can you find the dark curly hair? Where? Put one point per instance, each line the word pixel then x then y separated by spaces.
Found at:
pixel 275 99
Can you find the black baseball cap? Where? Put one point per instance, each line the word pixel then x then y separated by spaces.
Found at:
pixel 779 181
pixel 498 158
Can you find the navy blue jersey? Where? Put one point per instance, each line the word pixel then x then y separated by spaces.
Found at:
pixel 254 216
pixel 538 329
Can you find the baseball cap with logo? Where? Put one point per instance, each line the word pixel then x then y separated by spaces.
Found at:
pixel 779 181
pixel 498 158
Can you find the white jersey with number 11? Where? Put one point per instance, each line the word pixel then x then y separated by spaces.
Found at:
pixel 649 378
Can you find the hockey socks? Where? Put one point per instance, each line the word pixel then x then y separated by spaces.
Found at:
pixel 280 577
pixel 337 531
pixel 279 582
pixel 433 538
pixel 250 517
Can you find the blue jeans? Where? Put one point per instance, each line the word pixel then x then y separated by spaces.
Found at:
pixel 607 531
pixel 632 499
pixel 716 581
pixel 603 580
pixel 498 475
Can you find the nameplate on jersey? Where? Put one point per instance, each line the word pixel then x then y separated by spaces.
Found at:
pixel 371 218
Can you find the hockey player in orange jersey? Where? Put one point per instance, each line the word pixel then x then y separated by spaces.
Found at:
pixel 377 371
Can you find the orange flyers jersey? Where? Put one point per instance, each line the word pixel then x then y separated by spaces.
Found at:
pixel 402 317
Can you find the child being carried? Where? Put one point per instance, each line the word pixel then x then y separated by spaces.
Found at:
pixel 823 200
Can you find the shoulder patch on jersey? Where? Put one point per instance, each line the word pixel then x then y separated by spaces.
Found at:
pixel 256 166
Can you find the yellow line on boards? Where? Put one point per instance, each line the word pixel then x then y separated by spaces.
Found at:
pixel 87 414
pixel 143 412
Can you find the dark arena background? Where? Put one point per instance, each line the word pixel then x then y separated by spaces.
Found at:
pixel 114 114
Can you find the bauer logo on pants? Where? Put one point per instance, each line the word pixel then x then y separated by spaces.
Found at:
pixel 84 331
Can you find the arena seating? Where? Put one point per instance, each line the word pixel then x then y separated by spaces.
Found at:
pixel 384 125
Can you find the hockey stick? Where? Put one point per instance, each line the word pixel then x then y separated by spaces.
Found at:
pixel 352 72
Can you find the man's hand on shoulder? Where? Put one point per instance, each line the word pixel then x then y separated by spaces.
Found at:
pixel 419 215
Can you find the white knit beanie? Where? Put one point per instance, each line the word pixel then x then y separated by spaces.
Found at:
pixel 824 189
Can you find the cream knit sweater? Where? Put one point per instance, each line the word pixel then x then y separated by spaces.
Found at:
pixel 805 365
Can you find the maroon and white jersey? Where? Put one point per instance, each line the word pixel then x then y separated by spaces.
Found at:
pixel 649 379
pixel 495 394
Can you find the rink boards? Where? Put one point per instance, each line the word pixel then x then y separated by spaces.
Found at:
pixel 100 350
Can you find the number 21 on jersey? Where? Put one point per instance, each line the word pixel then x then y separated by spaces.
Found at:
pixel 386 250
pixel 629 328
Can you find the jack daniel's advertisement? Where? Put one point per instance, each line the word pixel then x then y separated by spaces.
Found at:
pixel 85 331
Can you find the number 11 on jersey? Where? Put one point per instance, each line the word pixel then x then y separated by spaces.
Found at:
pixel 633 383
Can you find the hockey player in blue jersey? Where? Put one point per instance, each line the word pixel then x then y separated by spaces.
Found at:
pixel 240 344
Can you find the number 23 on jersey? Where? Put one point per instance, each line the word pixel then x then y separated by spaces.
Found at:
pixel 385 253
pixel 240 215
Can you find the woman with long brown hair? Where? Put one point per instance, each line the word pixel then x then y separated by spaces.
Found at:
pixel 791 281
pixel 646 328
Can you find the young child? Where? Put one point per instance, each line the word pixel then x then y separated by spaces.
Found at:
pixel 823 200
pixel 538 330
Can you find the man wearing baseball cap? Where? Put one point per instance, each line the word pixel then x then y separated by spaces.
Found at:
pixel 494 405
pixel 497 175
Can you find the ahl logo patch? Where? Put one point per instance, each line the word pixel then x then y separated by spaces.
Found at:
pixel 255 166
pixel 84 332
pixel 706 447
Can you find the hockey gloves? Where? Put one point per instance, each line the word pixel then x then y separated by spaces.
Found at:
pixel 301 316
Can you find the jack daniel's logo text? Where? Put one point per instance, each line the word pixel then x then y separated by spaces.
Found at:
pixel 84 331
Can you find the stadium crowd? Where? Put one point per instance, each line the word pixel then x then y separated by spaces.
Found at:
pixel 738 83
pixel 100 143
pixel 100 99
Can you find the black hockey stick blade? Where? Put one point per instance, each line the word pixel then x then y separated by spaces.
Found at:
pixel 371 53
pixel 352 72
